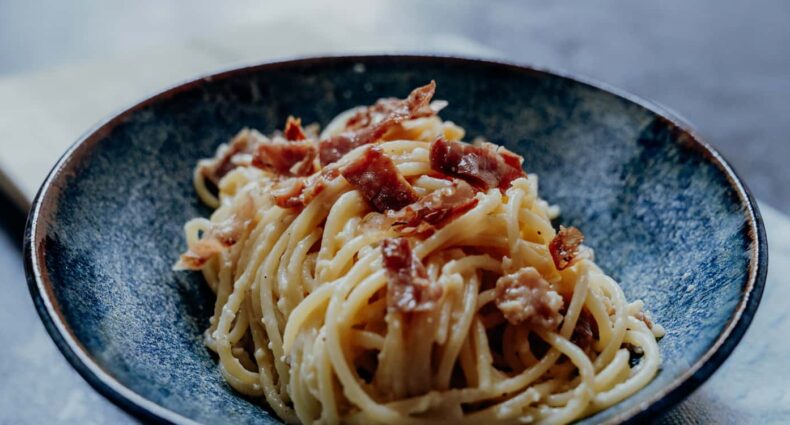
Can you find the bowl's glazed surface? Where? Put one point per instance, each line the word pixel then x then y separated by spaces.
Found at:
pixel 666 216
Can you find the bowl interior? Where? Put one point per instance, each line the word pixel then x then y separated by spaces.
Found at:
pixel 664 219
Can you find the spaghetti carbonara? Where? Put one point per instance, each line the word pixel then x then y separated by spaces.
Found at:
pixel 384 271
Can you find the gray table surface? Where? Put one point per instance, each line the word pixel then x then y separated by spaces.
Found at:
pixel 724 65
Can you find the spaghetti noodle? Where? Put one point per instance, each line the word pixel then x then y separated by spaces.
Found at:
pixel 386 272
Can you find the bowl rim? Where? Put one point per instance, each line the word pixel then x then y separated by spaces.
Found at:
pixel 657 403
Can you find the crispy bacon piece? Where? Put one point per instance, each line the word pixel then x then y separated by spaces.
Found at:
pixel 435 210
pixel 293 129
pixel 564 247
pixel 285 157
pixel 371 123
pixel 525 297
pixel 375 176
pixel 416 105
pixel 297 192
pixel 484 166
pixel 288 193
pixel 291 154
pixel 408 287
pixel 220 236
pixel 229 156
pixel 585 332
pixel 332 149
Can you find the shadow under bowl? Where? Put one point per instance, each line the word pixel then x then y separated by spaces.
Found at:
pixel 666 215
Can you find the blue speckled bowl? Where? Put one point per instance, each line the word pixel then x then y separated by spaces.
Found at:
pixel 666 215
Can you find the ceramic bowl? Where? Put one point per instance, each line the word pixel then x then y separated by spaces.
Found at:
pixel 666 215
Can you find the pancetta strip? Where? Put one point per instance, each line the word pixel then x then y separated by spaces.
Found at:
pixel 220 236
pixel 371 123
pixel 585 332
pixel 485 166
pixel 435 210
pixel 525 297
pixel 564 247
pixel 297 192
pixel 375 176
pixel 288 158
pixel 289 154
pixel 293 129
pixel 229 156
pixel 408 287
